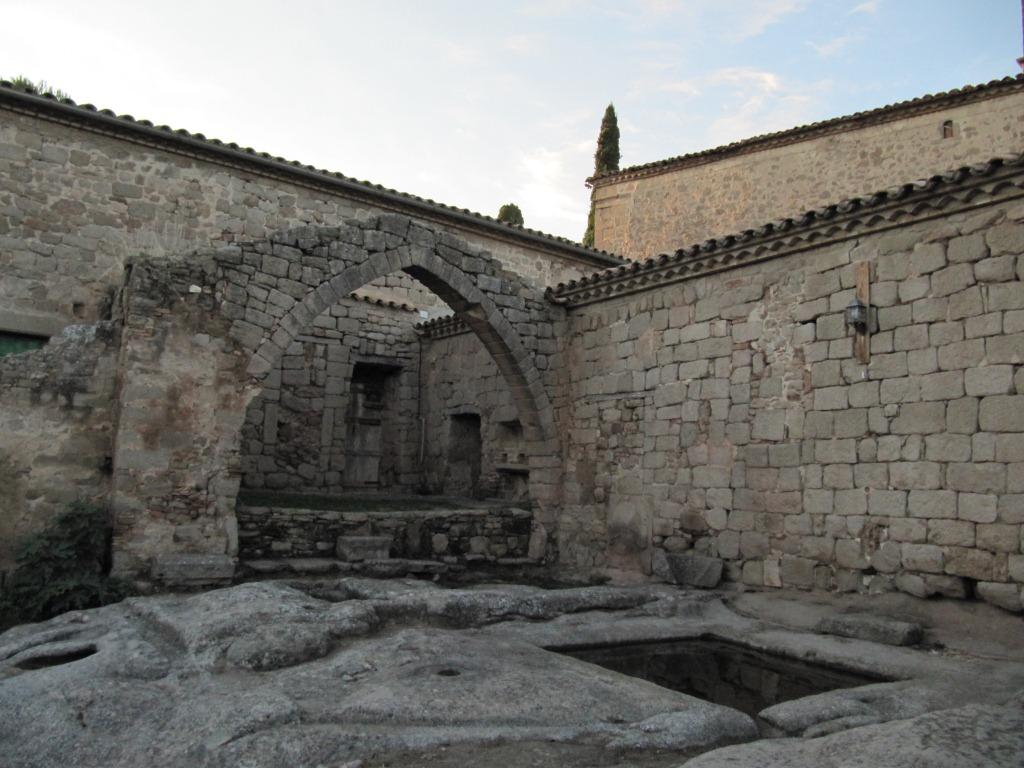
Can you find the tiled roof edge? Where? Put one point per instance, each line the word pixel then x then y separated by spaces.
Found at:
pixel 886 209
pixel 106 121
pixel 888 113
pixel 440 327
pixel 401 305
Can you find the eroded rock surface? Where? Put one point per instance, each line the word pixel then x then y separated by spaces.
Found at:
pixel 975 736
pixel 355 671
pixel 264 674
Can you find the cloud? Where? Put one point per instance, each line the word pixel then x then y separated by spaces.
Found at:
pixel 686 87
pixel 462 54
pixel 523 44
pixel 739 77
pixel 836 45
pixel 550 185
pixel 754 20
pixel 749 102
pixel 869 6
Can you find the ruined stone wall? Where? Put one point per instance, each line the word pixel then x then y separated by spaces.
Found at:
pixel 453 536
pixel 202 336
pixel 711 197
pixel 298 431
pixel 461 379
pixel 726 413
pixel 76 205
pixel 56 433
pixel 83 196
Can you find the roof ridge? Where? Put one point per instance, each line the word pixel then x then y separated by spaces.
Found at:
pixel 792 135
pixel 165 132
pixel 782 227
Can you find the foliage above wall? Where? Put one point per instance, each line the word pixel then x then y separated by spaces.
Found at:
pixel 43 88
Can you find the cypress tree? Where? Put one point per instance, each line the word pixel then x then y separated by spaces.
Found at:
pixel 509 213
pixel 606 160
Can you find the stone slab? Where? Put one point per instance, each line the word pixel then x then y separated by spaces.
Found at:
pixel 875 629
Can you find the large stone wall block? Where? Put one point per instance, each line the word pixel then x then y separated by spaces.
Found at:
pixel 1002 413
pixel 688 569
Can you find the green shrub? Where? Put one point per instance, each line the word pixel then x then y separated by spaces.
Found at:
pixel 43 88
pixel 509 213
pixel 62 568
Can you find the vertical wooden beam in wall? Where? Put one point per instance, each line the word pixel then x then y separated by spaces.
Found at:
pixel 862 340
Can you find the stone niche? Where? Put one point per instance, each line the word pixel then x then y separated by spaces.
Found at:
pixel 509 460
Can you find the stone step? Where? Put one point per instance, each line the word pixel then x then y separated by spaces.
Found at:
pixel 316 566
pixel 355 549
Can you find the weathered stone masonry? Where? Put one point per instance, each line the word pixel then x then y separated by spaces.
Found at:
pixel 56 428
pixel 706 400
pixel 713 400
pixel 293 440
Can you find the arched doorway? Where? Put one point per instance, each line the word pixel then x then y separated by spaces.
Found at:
pixel 264 295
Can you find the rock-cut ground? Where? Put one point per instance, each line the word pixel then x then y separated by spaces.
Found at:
pixel 356 672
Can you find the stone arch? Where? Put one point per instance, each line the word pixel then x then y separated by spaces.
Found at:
pixel 202 334
pixel 455 288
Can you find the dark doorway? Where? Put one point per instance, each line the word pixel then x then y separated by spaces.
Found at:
pixel 464 451
pixel 368 462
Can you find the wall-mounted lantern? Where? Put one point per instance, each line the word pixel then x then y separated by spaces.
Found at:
pixel 857 315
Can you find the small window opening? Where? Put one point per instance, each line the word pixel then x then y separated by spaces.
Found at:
pixel 16 343
pixel 947 129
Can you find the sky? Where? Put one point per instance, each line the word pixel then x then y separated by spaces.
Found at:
pixel 476 103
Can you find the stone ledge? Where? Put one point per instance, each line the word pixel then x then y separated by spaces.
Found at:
pixel 193 570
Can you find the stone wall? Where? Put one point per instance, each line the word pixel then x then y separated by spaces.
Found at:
pixel 726 412
pixel 56 432
pixel 453 536
pixel 661 208
pixel 299 432
pixel 81 195
pixel 460 379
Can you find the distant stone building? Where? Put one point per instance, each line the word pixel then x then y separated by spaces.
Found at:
pixel 196 329
pixel 658 207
